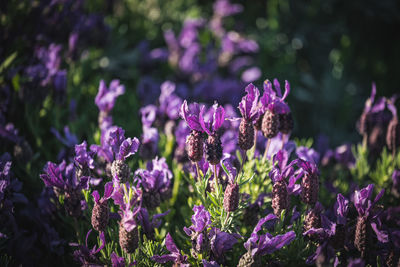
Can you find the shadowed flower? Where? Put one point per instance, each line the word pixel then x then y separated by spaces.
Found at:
pixel 367 220
pixel 174 256
pixel 260 245
pixel 86 256
pixel 147 225
pixel 100 212
pixel 221 242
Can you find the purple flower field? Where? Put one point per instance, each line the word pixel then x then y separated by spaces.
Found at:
pixel 145 133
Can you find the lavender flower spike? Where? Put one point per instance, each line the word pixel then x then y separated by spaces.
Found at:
pixel 87 256
pixel 174 256
pixel 249 110
pixel 195 139
pixel 100 212
pixel 366 220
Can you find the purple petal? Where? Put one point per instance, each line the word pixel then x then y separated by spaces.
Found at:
pixel 108 190
pixel 117 261
pixel 262 221
pixel 342 208
pixel 128 148
pixel 381 235
pixel 96 196
pixel 204 125
pixel 277 86
pixel 218 117
pixel 103 242
pixel 248 105
pixel 170 244
pixel 276 243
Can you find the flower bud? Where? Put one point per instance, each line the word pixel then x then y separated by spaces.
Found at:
pixel 270 124
pixel 280 197
pixel 393 135
pixel 247 260
pixel 120 170
pixel 309 188
pixel 100 216
pixel 214 149
pixel 362 239
pixel 312 220
pixel 129 241
pixel 246 134
pixel 231 197
pixel 194 145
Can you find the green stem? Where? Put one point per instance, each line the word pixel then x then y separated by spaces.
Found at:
pixel 198 170
pixel 267 148
pixel 216 180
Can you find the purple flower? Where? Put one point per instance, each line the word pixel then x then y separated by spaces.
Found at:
pixel 308 167
pixel 192 116
pixel 259 245
pixel 248 106
pixel 108 190
pixel 341 209
pixel 117 261
pixel 155 181
pixel 215 120
pixel 174 256
pixel 169 102
pixel 200 219
pixel 62 176
pixel 344 156
pixel 362 202
pixel 115 145
pixel 129 200
pixel 221 242
pixel 282 170
pixel 83 157
pixel 273 99
pixel 128 148
pixel 307 154
pixel 69 140
pixel 106 97
pixel 149 115
pixel 86 256
pixel 147 225
pixel 364 206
